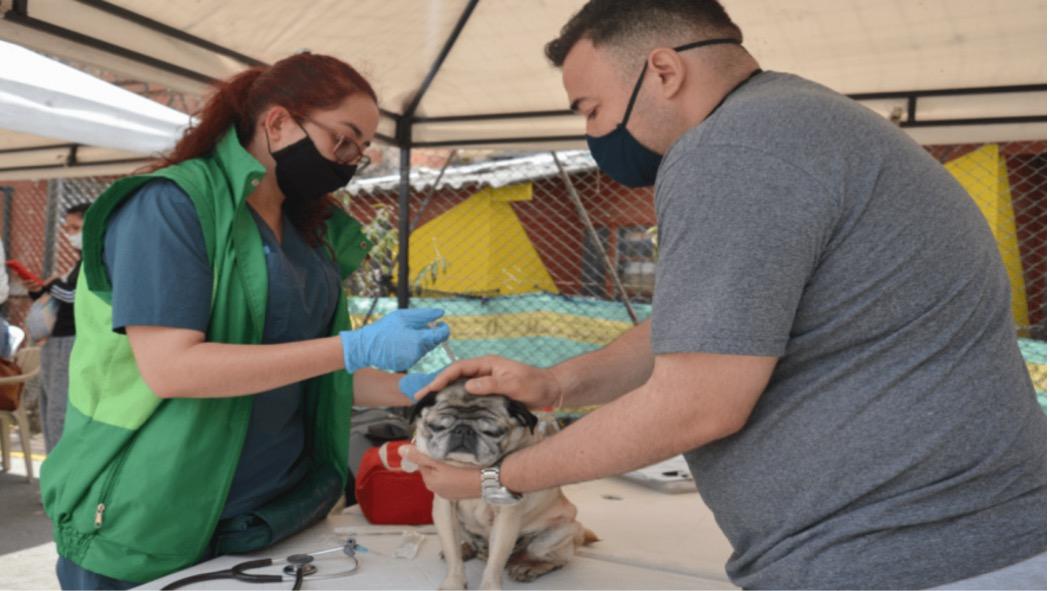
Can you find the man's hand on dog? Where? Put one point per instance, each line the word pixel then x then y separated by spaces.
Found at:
pixel 446 481
pixel 534 386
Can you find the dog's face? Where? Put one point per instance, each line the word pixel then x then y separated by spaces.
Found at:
pixel 478 430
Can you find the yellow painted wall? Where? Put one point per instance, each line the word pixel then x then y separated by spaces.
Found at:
pixel 485 246
pixel 983 174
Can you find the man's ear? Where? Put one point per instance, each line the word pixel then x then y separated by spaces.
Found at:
pixel 417 410
pixel 670 68
pixel 522 414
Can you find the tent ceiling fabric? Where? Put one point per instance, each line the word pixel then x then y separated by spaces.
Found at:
pixel 497 63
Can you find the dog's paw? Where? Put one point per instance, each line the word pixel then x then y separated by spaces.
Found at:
pixel 452 583
pixel 527 571
pixel 468 551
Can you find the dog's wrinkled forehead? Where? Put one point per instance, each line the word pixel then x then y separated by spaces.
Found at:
pixel 455 400
pixel 457 397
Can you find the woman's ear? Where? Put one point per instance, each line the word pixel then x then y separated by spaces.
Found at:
pixel 275 121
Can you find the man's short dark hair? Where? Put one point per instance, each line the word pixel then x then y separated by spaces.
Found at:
pixel 78 209
pixel 607 22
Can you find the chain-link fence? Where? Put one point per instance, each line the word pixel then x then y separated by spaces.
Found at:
pixel 528 268
pixel 1008 183
pixel 523 265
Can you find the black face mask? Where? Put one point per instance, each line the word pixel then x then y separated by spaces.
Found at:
pixel 619 154
pixel 303 173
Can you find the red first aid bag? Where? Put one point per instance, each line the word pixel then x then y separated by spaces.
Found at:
pixel 387 494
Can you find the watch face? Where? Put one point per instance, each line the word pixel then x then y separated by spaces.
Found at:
pixel 493 492
pixel 501 497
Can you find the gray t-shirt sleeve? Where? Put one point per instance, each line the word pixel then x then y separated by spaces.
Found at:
pixel 741 231
pixel 156 260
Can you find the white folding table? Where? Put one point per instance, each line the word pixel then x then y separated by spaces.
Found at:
pixel 649 540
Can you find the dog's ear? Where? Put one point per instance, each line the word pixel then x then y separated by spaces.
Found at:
pixel 417 410
pixel 522 414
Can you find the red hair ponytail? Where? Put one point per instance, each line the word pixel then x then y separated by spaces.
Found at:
pixel 301 83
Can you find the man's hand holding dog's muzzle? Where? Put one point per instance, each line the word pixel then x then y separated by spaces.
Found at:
pixel 446 481
pixel 536 387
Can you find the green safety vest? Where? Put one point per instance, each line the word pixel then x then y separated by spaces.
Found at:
pixel 135 487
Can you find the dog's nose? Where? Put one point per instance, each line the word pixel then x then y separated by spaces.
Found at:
pixel 462 430
pixel 462 438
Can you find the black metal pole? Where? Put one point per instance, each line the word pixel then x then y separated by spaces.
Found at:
pixel 403 227
pixel 9 198
pixel 56 189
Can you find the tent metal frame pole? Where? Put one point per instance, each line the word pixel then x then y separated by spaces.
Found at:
pixel 1019 119
pixel 620 290
pixel 9 201
pixel 77 164
pixel 859 96
pixel 973 121
pixel 499 140
pixel 36 148
pixel 19 14
pixel 404 141
pixel 159 27
pixel 403 228
pixel 410 109
pixel 55 189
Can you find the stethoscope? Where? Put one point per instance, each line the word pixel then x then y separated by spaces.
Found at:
pixel 296 568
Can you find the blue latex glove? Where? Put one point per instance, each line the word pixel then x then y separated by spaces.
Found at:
pixel 395 342
pixel 414 382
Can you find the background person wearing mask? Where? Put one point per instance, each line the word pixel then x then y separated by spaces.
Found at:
pixel 831 343
pixel 210 382
pixel 54 359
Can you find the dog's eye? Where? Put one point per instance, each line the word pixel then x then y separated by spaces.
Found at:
pixel 493 433
pixel 435 428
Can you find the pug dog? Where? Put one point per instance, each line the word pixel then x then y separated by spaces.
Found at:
pixel 537 535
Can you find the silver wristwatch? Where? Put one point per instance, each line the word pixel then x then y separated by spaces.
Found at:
pixel 493 491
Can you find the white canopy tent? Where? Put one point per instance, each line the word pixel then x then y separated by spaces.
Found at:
pixel 58 117
pixel 472 72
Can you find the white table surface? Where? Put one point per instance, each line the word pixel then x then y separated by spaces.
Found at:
pixel 649 540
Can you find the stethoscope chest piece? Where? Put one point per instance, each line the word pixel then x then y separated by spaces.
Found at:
pixel 300 563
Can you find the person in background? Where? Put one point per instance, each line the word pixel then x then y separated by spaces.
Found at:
pixel 214 368
pixel 54 359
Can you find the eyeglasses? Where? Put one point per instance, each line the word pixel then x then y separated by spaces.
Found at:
pixel 345 149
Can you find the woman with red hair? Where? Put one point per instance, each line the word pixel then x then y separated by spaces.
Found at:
pixel 213 372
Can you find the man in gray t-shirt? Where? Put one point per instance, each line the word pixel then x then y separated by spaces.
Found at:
pixel 900 419
pixel 831 342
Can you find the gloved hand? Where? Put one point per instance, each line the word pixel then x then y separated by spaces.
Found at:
pixel 413 382
pixel 395 342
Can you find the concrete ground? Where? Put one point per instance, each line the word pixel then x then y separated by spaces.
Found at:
pixel 27 552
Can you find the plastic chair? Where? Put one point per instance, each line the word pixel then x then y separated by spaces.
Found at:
pixel 28 360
